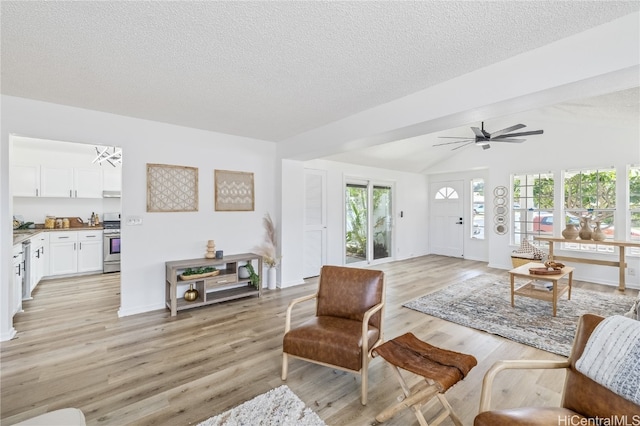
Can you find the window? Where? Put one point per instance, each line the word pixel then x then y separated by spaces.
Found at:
pixel 446 193
pixel 591 195
pixel 477 203
pixel 532 206
pixel 634 207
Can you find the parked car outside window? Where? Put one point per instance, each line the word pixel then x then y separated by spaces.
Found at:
pixel 544 222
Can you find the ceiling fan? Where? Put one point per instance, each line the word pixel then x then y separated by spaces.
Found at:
pixel 483 138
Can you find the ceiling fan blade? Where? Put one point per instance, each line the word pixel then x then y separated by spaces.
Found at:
pixel 507 130
pixel 461 146
pixel 533 132
pixel 454 137
pixel 508 140
pixel 449 143
pixel 479 133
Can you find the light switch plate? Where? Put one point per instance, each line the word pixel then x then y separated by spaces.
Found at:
pixel 134 220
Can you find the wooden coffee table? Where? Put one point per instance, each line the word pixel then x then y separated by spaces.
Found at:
pixel 528 289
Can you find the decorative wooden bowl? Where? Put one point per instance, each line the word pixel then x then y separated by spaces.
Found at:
pixel 544 271
pixel 197 276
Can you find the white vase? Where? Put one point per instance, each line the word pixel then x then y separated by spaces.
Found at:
pixel 271 278
pixel 243 272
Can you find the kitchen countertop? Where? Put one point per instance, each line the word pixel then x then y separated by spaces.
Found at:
pixel 21 235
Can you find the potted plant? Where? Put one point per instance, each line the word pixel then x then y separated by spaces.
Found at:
pixel 251 274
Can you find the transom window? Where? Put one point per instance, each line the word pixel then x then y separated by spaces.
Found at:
pixel 446 193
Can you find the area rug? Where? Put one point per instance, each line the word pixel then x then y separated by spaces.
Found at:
pixel 484 303
pixel 278 407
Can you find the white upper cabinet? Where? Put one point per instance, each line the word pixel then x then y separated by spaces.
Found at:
pixel 56 181
pixel 25 181
pixel 55 169
pixel 66 182
pixel 112 179
pixel 87 183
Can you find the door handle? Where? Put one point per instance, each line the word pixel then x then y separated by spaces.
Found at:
pixel 459 222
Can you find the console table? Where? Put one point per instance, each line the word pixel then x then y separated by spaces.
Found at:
pixel 620 264
pixel 227 285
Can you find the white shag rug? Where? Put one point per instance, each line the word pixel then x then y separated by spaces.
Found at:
pixel 278 407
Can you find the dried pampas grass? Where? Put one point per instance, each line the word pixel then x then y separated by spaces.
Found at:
pixel 269 248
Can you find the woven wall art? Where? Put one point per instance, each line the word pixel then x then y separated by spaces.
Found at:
pixel 172 188
pixel 233 191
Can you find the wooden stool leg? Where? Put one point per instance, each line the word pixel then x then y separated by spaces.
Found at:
pixel 448 410
pixel 417 398
pixel 454 417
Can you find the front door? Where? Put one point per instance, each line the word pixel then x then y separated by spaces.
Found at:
pixel 446 222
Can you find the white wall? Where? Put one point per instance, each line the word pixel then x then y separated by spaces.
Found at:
pixel 569 142
pixel 163 236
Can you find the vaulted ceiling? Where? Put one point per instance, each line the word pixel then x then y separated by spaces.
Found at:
pixel 268 70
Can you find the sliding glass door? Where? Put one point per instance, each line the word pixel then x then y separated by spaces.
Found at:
pixel 368 225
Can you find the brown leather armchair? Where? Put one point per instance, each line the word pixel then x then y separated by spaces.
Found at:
pixel 582 397
pixel 347 325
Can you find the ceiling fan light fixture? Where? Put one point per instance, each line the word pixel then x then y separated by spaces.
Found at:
pixel 483 138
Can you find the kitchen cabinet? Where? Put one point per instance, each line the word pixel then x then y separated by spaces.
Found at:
pixel 67 182
pixel 25 181
pixel 87 183
pixel 15 290
pixel 74 252
pixel 112 179
pixel 90 255
pixel 38 265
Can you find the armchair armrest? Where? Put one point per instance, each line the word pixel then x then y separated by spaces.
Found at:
pixel 365 327
pixel 487 382
pixel 287 324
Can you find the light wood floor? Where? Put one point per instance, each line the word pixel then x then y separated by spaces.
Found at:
pixel 72 350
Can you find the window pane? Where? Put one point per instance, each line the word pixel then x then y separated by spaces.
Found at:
pixel 532 206
pixel 381 222
pixel 356 237
pixel 634 206
pixel 478 206
pixel 591 195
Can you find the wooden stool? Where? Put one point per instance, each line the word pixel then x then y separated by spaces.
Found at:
pixel 440 369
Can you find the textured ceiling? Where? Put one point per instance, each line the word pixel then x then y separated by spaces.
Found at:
pixel 267 70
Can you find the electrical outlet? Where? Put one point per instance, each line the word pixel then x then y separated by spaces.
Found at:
pixel 632 272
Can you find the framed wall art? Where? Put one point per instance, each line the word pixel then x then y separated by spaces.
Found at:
pixel 233 191
pixel 172 188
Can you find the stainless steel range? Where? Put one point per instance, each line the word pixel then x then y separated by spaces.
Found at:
pixel 111 225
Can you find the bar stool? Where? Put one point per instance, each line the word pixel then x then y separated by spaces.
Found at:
pixel 440 369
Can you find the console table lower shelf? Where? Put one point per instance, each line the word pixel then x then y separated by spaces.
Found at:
pixel 226 285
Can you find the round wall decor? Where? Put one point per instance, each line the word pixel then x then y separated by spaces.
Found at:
pixel 500 191
pixel 500 209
